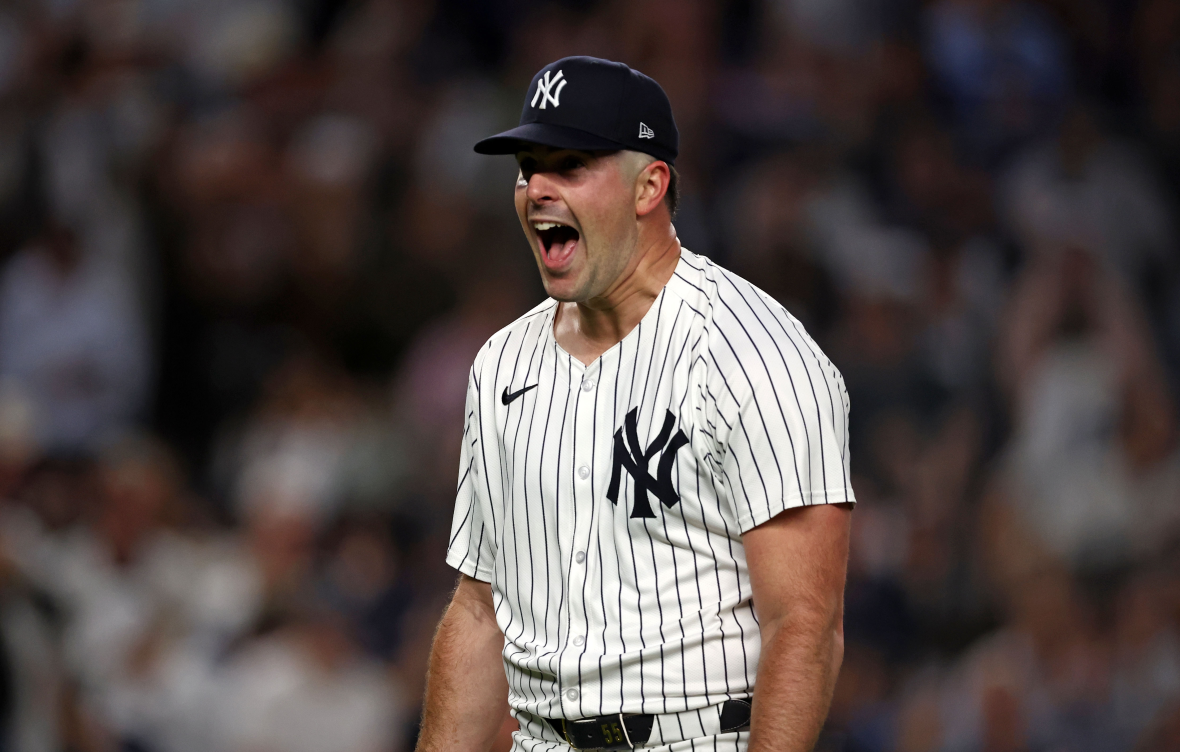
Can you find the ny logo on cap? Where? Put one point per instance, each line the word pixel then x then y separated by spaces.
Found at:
pixel 546 91
pixel 645 132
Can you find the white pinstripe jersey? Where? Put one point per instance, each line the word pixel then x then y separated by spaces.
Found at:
pixel 605 503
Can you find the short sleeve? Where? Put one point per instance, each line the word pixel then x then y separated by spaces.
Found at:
pixel 472 547
pixel 781 412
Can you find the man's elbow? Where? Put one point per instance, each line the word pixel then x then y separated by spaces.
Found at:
pixel 832 642
pixel 837 647
pixel 821 629
pixel 822 639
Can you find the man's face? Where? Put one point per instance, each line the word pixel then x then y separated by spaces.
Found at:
pixel 578 212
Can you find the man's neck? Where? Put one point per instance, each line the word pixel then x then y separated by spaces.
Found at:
pixel 588 329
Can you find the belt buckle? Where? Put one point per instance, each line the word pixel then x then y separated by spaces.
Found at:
pixel 614 732
pixel 565 732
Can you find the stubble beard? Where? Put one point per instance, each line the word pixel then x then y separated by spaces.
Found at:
pixel 582 292
pixel 595 280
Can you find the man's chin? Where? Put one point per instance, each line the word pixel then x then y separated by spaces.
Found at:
pixel 562 294
pixel 564 289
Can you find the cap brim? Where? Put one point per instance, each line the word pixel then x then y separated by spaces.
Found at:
pixel 545 134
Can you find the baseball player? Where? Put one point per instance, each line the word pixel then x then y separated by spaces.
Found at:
pixel 653 503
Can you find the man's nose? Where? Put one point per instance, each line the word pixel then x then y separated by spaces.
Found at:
pixel 541 188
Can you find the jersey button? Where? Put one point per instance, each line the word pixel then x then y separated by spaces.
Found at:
pixel 587 385
pixel 580 557
pixel 579 641
pixel 583 472
pixel 571 694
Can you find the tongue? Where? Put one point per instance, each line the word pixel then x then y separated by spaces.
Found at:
pixel 561 252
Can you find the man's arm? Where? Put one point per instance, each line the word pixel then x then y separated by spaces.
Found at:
pixel 798 560
pixel 466 688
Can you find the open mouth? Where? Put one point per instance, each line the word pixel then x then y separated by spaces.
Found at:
pixel 557 241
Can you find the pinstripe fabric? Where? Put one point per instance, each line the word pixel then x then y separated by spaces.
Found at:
pixel 602 611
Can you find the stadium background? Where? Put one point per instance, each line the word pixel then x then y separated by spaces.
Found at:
pixel 248 256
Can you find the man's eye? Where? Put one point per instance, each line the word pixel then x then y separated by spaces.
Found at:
pixel 571 163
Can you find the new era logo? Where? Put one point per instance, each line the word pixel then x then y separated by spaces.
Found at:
pixel 547 92
pixel 645 132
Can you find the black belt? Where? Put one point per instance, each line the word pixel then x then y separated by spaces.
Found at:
pixel 628 731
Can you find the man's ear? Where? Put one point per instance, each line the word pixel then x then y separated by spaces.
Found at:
pixel 650 186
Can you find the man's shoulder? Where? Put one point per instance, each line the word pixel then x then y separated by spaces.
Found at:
pixel 529 326
pixel 738 313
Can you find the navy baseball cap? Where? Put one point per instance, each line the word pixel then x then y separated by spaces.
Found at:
pixel 590 104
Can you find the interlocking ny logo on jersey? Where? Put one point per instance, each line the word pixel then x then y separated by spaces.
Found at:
pixel 635 460
pixel 546 91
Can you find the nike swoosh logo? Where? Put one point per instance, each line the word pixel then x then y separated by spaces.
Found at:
pixel 507 398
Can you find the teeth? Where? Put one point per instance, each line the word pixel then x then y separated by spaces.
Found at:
pixel 542 226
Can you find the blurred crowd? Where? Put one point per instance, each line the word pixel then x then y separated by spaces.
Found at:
pixel 248 256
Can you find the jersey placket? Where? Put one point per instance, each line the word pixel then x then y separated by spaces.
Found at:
pixel 580 521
